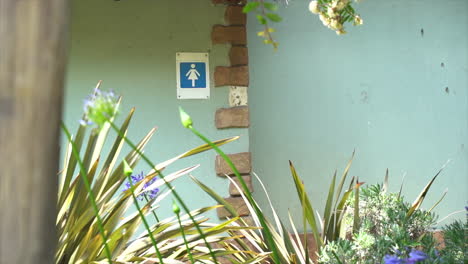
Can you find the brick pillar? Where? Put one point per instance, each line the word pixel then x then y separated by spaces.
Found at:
pixel 236 77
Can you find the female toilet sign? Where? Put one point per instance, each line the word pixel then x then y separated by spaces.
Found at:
pixel 192 76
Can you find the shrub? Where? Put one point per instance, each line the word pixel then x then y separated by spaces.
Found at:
pixel 456 242
pixel 384 228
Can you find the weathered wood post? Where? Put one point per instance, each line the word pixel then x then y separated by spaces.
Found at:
pixel 33 38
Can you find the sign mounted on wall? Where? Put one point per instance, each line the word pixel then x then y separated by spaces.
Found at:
pixel 193 75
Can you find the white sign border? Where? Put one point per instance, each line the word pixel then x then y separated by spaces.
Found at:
pixel 193 93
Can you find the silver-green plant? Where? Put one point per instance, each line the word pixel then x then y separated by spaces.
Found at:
pixel 455 248
pixel 387 226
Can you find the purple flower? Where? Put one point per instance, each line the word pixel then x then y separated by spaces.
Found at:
pixel 137 178
pixel 415 256
pixel 390 259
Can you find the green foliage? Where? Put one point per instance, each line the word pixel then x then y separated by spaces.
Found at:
pixel 81 226
pixel 265 13
pixel 385 228
pixel 456 242
pixel 271 6
pixel 337 252
pixel 334 208
pixel 250 6
pixel 273 17
pixel 261 19
pixel 286 245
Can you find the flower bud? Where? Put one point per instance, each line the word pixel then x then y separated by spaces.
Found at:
pixel 127 169
pixel 175 207
pixel 185 118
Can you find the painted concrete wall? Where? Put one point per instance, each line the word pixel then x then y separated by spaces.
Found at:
pixel 394 89
pixel 131 46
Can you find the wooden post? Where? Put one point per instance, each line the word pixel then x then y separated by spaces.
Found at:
pixel 33 38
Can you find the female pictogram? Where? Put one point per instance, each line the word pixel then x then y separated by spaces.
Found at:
pixel 192 74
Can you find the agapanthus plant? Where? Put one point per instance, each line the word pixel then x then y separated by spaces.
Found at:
pixel 90 223
pixel 151 193
pixel 99 107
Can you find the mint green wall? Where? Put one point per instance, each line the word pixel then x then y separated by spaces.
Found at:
pixel 381 90
pixel 131 46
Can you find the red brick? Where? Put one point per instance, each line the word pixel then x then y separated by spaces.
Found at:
pixel 242 161
pixel 232 76
pixel 239 205
pixel 439 239
pixel 235 16
pixel 239 56
pixel 234 117
pixel 229 35
pixel 233 191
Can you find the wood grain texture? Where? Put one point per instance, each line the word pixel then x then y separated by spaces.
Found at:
pixel 33 36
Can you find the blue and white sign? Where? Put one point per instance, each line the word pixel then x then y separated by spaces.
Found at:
pixel 193 80
pixel 192 75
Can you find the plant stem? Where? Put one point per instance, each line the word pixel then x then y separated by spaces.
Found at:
pixel 185 239
pixel 267 28
pixel 154 213
pixel 84 176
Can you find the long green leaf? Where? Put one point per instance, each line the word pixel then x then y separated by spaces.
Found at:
pixel 71 164
pixel 216 197
pixel 417 203
pixel 343 178
pixel 356 220
pixel 328 208
pixel 112 157
pixel 309 211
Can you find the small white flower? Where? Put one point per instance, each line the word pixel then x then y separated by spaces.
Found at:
pixel 325 20
pixel 335 24
pixel 331 11
pixel 313 7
